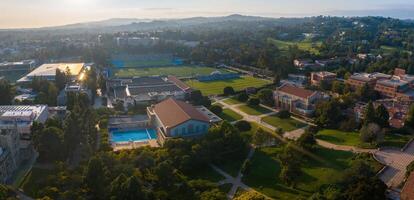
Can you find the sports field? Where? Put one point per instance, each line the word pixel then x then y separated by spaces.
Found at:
pixel 302 45
pixel 216 87
pixel 179 71
pixel 142 63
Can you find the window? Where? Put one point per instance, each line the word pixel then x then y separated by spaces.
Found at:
pixel 176 132
pixel 183 131
pixel 190 128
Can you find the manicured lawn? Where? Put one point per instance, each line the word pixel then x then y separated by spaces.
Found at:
pixel 230 116
pixel 216 87
pixel 264 175
pixel 179 71
pixel 232 166
pixel 35 180
pixel 232 101
pixel 394 140
pixel 339 137
pixel 302 45
pixel 254 110
pixel 285 124
pixel 353 139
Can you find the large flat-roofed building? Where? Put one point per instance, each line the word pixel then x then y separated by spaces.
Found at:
pixel 15 134
pixel 25 65
pixel 48 71
pixel 296 100
pixel 360 79
pixel 174 118
pixel 145 90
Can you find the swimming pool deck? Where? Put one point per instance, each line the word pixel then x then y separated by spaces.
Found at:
pixel 134 145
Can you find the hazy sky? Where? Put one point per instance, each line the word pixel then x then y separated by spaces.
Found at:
pixel 38 13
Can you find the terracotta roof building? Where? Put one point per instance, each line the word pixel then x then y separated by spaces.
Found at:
pixel 318 77
pixel 296 100
pixel 174 118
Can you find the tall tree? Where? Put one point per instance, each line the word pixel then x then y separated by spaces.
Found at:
pixel 382 116
pixel 6 92
pixel 95 178
pixel 369 114
pixel 266 97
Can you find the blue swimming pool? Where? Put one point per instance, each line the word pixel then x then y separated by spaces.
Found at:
pixel 133 135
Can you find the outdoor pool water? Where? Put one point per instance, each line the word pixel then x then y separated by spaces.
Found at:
pixel 133 135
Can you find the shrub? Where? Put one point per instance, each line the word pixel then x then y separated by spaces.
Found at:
pixel 243 126
pixel 283 114
pixel 243 97
pixel 228 91
pixel 253 101
pixel 216 109
pixel 371 133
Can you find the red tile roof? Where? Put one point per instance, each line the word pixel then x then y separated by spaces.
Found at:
pixel 172 112
pixel 407 192
pixel 179 83
pixel 296 91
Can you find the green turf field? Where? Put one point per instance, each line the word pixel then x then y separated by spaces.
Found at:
pixel 216 87
pixel 146 63
pixel 179 71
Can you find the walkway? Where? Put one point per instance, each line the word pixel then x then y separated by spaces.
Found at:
pixel 236 181
pixel 396 161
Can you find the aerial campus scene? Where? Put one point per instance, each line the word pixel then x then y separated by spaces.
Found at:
pixel 207 100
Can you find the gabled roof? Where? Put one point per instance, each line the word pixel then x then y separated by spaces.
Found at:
pixel 172 112
pixel 296 91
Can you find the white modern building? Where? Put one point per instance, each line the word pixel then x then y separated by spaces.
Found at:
pixel 48 71
pixel 15 135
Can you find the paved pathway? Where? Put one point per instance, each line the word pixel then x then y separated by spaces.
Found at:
pixel 397 161
pixel 329 145
pixel 236 181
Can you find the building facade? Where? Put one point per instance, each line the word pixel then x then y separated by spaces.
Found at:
pixel 318 77
pixel 296 100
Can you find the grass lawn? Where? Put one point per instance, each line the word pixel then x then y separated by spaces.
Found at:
pixel 232 166
pixel 230 116
pixel 353 139
pixel 232 101
pixel 302 45
pixel 206 173
pixel 254 110
pixel 339 137
pixel 394 140
pixel 285 124
pixel 146 63
pixel 179 71
pixel 35 180
pixel 264 175
pixel 216 87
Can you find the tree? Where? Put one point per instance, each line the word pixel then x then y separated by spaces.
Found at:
pixel 243 97
pixel 338 87
pixel 227 91
pixel 6 92
pixel 307 140
pixel 261 137
pixel 266 97
pixel 328 114
pixel 369 114
pixel 61 79
pixel 371 133
pixel 382 116
pixel 283 114
pixel 116 189
pixel 366 93
pixel 95 178
pixel 216 109
pixel 290 161
pixel 276 80
pixel 196 96
pixel 253 101
pixel 243 125
pixel 410 117
pixel 49 144
pixel 134 189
